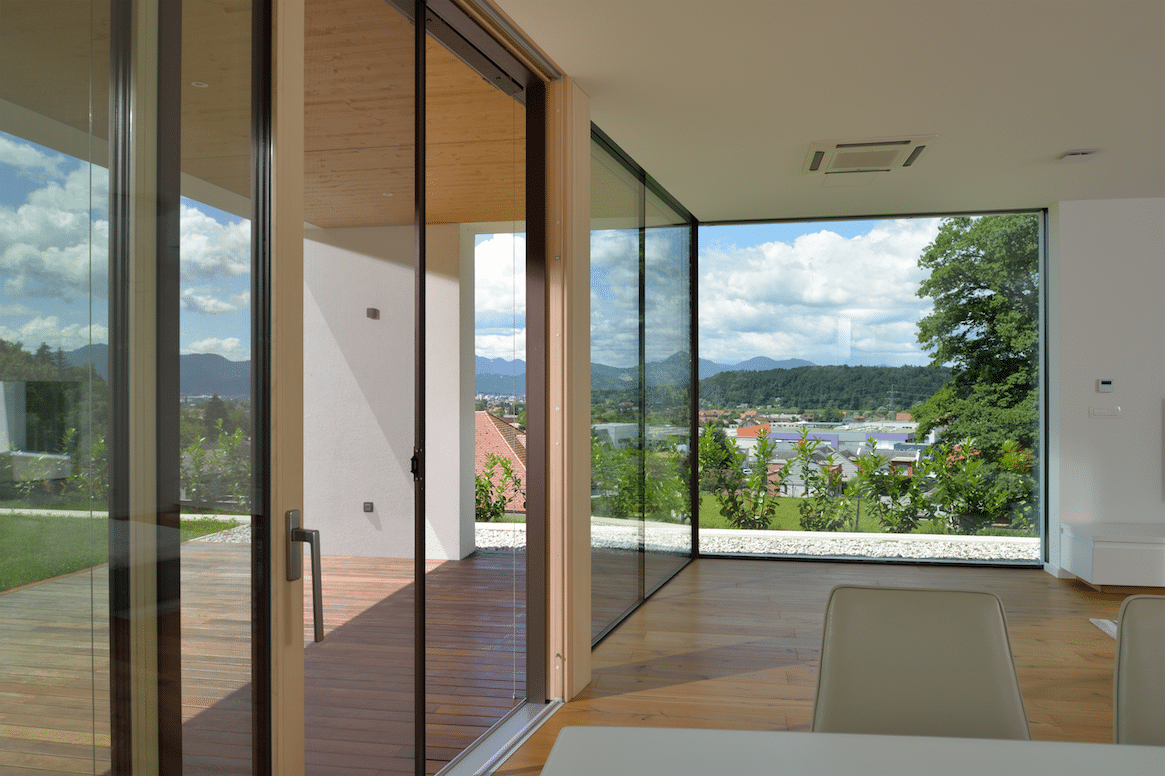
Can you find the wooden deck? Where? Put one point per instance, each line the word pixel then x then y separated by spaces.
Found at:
pixel 734 644
pixel 54 676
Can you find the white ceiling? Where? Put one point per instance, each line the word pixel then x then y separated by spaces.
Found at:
pixel 719 100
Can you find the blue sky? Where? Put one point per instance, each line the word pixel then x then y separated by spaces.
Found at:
pixel 54 236
pixel 830 292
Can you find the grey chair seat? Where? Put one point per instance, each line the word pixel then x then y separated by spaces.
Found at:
pixel 1138 709
pixel 908 661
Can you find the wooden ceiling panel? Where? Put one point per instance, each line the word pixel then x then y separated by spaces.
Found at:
pixel 359 128
pixel 216 119
pixel 58 70
pixel 358 101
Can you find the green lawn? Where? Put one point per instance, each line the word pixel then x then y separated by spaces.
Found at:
pixel 788 518
pixel 37 547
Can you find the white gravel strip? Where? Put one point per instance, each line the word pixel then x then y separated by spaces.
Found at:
pixel 613 534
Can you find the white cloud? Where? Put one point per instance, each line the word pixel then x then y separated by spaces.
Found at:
pixel 15 309
pixel 508 344
pixel 202 300
pixel 499 271
pixel 230 348
pixel 211 249
pixel 28 160
pixel 499 297
pixel 48 330
pixel 824 297
pixel 55 245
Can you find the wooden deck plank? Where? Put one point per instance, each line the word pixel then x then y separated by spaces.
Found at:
pixel 358 681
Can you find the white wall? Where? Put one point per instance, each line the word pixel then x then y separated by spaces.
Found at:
pixel 359 392
pixel 1105 290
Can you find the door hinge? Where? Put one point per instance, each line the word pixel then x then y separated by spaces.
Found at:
pixel 417 464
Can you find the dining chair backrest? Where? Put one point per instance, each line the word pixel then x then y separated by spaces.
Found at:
pixel 909 661
pixel 1138 713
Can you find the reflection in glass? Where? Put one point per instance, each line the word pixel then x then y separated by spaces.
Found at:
pixel 667 389
pixel 214 402
pixel 617 414
pixel 53 392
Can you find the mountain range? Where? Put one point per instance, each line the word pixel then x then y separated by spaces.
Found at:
pixel 203 374
pixel 495 376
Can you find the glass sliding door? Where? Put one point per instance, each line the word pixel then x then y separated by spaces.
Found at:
pixel 360 398
pixel 641 385
pixel 667 390
pixel 212 416
pixel 617 412
pixel 475 623
pixel 54 395
pixel 126 427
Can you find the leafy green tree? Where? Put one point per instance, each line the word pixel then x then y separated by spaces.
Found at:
pixel 892 496
pixel 824 506
pixel 747 501
pixel 214 416
pixel 984 280
pixel 491 497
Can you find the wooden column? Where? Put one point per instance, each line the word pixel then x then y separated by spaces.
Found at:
pixel 569 344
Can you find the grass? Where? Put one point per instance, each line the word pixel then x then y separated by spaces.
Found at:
pixel 38 547
pixel 788 518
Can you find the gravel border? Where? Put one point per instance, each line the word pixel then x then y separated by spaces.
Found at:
pixel 611 534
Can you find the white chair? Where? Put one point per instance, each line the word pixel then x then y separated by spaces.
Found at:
pixel 1138 708
pixel 907 661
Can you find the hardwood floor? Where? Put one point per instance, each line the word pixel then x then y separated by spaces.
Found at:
pixel 734 644
pixel 54 664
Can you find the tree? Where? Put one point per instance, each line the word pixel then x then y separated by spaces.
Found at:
pixel 824 506
pixel 984 280
pixel 492 497
pixel 214 416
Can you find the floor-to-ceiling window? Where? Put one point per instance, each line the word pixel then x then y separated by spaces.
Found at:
pixel 641 384
pixel 871 388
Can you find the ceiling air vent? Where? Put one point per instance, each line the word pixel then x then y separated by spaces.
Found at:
pixel 877 155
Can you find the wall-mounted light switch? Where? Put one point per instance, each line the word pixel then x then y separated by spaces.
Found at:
pixel 367 506
pixel 1104 385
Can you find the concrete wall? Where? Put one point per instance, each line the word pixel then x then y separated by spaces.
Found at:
pixel 359 392
pixel 1106 280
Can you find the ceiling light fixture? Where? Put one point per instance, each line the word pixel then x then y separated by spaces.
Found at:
pixel 874 155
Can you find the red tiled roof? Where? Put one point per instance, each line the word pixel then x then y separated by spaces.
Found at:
pixel 494 435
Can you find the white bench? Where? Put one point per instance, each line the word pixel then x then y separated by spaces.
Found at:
pixel 1118 554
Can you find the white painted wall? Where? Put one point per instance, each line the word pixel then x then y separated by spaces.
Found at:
pixel 359 392
pixel 1105 289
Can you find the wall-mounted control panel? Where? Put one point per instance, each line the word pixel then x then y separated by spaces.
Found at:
pixel 1104 385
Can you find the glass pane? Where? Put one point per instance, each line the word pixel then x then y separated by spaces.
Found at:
pixel 215 389
pixel 54 658
pixel 885 374
pixel 616 396
pixel 667 351
pixel 476 577
pixel 359 385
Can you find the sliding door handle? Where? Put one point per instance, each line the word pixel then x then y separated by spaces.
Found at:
pixel 297 533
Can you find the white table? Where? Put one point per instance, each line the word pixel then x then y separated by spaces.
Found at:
pixel 638 751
